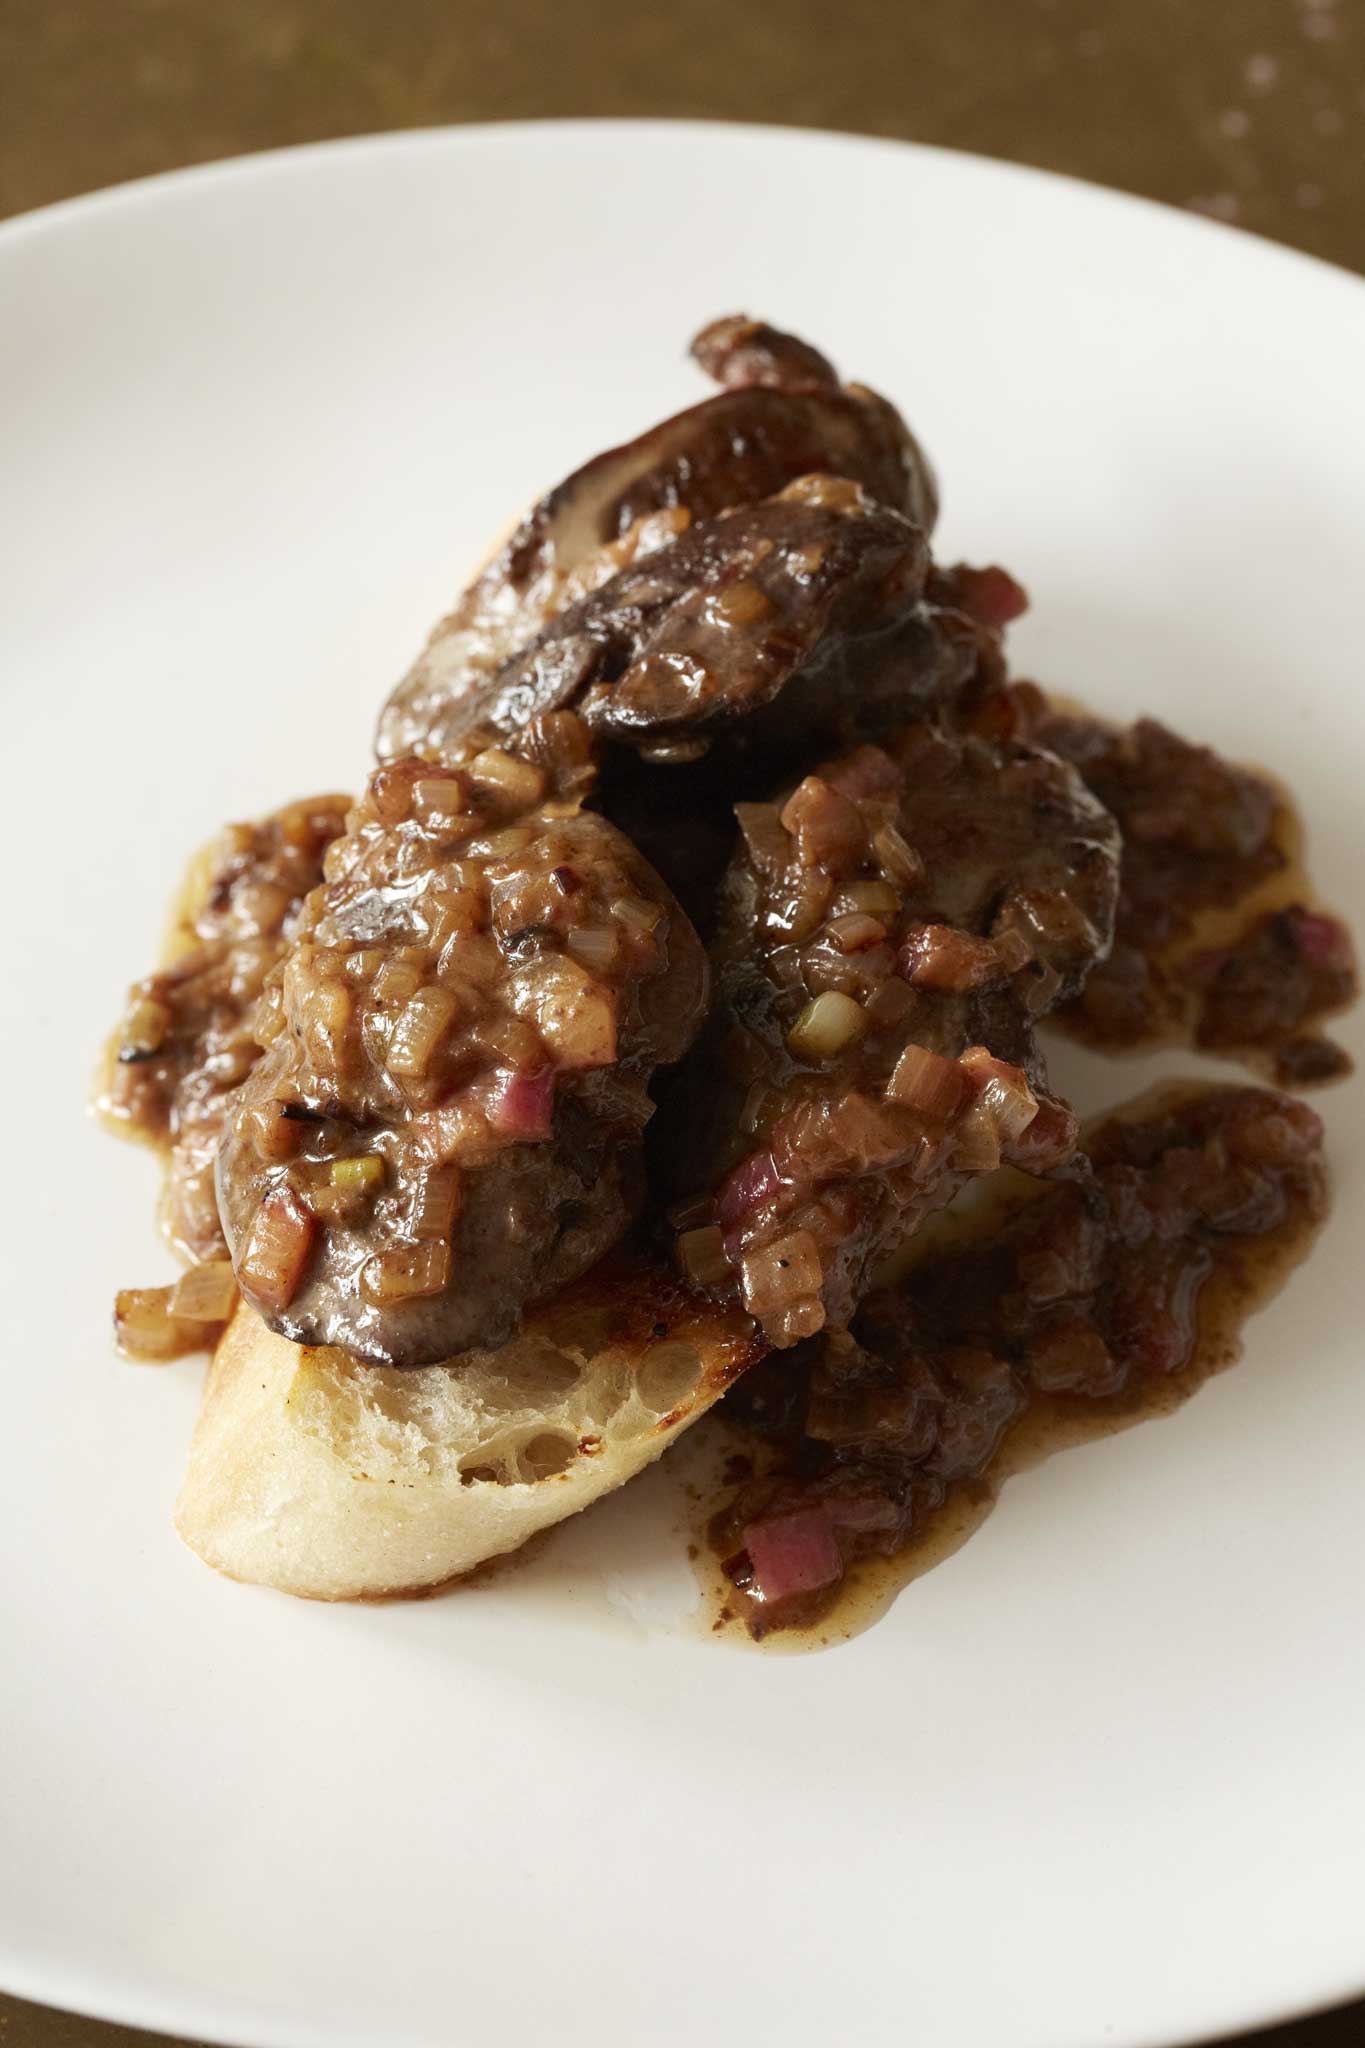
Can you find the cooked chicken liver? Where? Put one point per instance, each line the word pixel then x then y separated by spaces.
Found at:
pixel 788 624
pixel 446 1124
pixel 758 435
pixel 891 932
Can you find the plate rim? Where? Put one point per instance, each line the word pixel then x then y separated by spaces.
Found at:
pixel 77 1991
pixel 245 165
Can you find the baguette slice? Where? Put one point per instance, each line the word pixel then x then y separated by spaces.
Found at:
pixel 338 1481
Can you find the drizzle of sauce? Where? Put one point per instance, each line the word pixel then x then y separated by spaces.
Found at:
pixel 1222 941
pixel 1245 1271
pixel 1232 906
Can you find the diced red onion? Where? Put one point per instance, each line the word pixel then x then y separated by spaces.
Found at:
pixel 1049 1139
pixel 523 1105
pixel 793 1553
pixel 753 1181
pixel 1322 941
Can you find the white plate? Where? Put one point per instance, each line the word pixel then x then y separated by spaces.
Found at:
pixel 1099 1778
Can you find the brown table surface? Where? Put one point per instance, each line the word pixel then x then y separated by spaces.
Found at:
pixel 1250 110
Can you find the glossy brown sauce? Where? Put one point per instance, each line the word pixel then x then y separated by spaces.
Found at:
pixel 719 1455
pixel 186 1041
pixel 1222 941
pixel 1245 1274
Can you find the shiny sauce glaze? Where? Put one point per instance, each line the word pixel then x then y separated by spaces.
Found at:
pixel 446 1122
pixel 185 1043
pixel 890 932
pixel 403 1059
pixel 1054 1317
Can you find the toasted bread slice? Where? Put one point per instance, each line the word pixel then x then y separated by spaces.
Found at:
pixel 338 1481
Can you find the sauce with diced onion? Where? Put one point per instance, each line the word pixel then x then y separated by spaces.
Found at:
pixel 1236 1176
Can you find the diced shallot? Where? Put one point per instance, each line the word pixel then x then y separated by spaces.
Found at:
pixel 738 604
pixel 595 946
pixel 574 1014
pixel 826 1025
pixel 206 1294
pixel 406 1272
pixel 147 1332
pixel 940 956
pixel 926 1082
pixel 276 1250
pixel 897 859
pixel 514 782
pixel 977 1149
pixel 778 1275
pixel 434 1205
pixel 1002 1091
pixel 638 912
pixel 327 1011
pixel 873 899
pixel 144 1029
pixel 854 932
pixel 441 800
pixel 422 1024
pixel 701 1254
pixel 828 828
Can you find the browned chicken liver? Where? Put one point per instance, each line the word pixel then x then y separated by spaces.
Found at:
pixel 446 1123
pixel 890 934
pixel 782 416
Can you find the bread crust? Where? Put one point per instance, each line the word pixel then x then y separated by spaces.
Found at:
pixel 331 1480
pixel 337 1481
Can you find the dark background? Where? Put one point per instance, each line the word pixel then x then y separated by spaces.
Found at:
pixel 1252 111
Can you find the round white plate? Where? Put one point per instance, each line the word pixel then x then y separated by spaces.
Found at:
pixel 1098 1779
